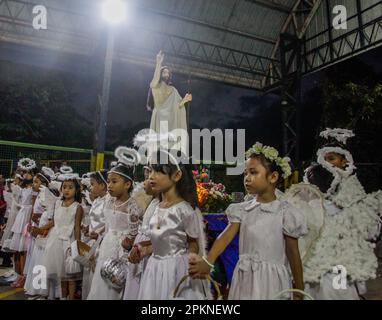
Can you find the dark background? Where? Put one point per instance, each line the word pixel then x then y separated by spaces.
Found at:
pixel 48 100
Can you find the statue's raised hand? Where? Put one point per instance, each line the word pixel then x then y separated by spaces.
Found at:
pixel 160 56
pixel 187 98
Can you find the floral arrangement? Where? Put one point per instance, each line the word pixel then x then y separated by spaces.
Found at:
pixel 212 197
pixel 202 176
pixel 273 155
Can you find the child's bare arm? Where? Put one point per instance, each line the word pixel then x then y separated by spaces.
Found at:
pixel 293 254
pixel 48 226
pixel 77 225
pixel 200 267
pixel 223 241
pixel 193 245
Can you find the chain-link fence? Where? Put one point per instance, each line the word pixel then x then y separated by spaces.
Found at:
pixel 82 161
pixel 52 156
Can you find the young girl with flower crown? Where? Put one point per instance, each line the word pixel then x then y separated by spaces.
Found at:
pixel 121 224
pixel 175 230
pixel 269 232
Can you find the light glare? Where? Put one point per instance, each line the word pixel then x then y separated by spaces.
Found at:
pixel 114 11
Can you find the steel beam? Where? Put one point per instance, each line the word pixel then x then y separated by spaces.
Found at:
pixel 271 4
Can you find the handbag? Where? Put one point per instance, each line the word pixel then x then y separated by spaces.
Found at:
pixel 71 266
pixel 210 280
pixel 114 272
pixel 82 253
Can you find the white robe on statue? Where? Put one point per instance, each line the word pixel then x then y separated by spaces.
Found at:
pixel 170 115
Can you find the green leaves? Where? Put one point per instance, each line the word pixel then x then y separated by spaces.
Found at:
pixel 36 106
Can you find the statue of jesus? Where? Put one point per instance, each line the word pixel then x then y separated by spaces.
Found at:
pixel 167 105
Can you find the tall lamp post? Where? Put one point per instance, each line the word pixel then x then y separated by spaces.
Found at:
pixel 113 12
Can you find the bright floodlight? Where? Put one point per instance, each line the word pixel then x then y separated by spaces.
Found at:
pixel 114 11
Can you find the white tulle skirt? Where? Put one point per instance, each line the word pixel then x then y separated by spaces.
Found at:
pixel 36 260
pixel 110 248
pixel 7 235
pixel 88 274
pixel 54 258
pixel 162 275
pixel 28 260
pixel 87 278
pixel 20 237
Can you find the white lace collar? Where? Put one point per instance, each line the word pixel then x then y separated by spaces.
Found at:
pixel 271 207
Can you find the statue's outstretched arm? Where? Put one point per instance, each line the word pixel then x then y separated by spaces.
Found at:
pixel 156 79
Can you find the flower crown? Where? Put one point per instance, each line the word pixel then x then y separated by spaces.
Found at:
pixel 273 155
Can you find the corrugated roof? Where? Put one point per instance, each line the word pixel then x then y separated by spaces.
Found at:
pixel 234 41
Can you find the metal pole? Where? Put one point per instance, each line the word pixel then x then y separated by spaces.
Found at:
pixel 330 31
pixel 360 23
pixel 298 96
pixel 284 101
pixel 104 101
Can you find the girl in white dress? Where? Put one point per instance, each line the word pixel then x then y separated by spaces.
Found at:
pixel 34 220
pixel 142 248
pixel 98 189
pixel 44 203
pixel 175 230
pixel 20 237
pixel 121 221
pixel 269 232
pixel 66 228
pixel 15 190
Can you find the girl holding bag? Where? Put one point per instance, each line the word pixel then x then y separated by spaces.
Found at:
pixel 67 228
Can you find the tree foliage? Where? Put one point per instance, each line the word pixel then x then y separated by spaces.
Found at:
pixel 36 106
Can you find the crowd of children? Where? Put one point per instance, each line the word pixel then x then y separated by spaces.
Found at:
pixel 111 238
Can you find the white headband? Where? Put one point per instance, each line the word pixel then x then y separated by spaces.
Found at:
pixel 101 176
pixel 113 170
pixel 46 173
